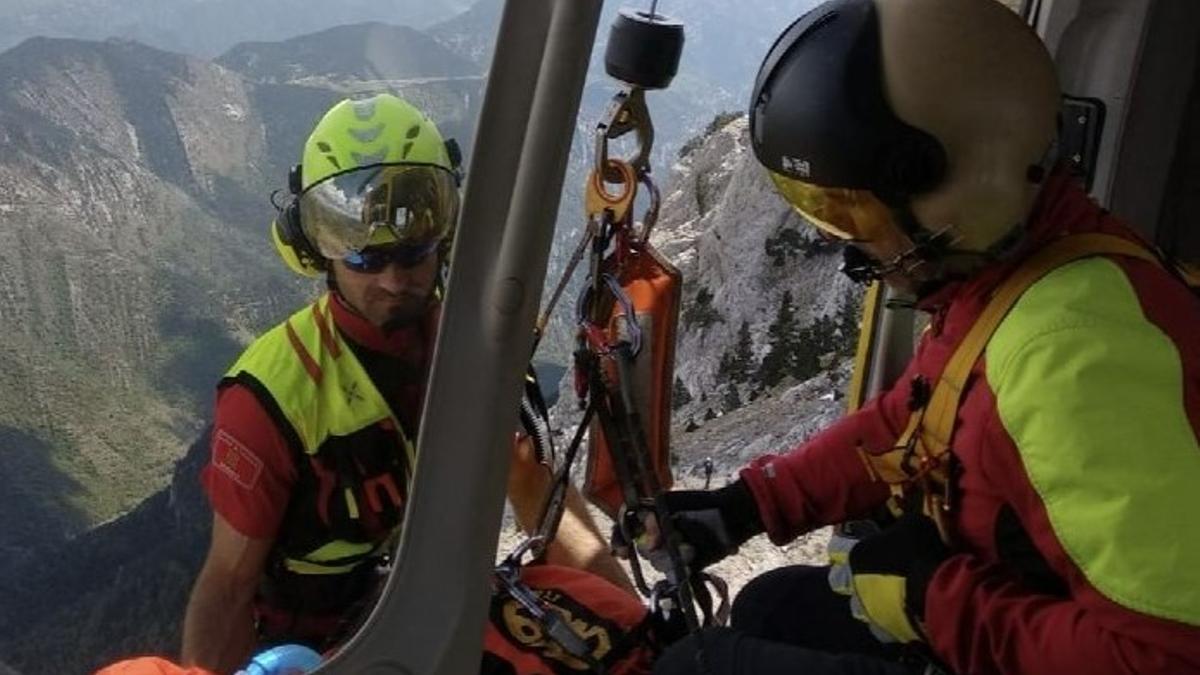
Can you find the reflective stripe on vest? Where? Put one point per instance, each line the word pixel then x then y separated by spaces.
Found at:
pixel 322 390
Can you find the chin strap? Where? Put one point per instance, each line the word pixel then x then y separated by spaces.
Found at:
pixel 931 250
pixel 927 249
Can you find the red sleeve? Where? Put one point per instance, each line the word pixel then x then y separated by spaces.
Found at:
pixel 825 480
pixel 251 472
pixel 981 620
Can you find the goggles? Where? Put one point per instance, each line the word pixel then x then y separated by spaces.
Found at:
pixel 374 259
pixel 846 214
pixel 411 205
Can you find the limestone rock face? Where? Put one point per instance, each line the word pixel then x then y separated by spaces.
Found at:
pixel 740 248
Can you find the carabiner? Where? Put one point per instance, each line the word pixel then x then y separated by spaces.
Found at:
pixel 627 112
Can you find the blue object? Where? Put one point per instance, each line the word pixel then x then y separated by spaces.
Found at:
pixel 283 660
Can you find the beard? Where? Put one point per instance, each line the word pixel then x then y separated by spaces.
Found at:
pixel 409 311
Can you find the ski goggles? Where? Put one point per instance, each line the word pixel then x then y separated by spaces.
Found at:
pixel 846 214
pixel 413 205
pixel 374 259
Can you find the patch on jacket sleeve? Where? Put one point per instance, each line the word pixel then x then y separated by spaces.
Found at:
pixel 235 460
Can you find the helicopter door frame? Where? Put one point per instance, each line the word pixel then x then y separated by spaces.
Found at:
pixel 430 618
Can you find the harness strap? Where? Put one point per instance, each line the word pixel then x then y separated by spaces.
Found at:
pixel 918 456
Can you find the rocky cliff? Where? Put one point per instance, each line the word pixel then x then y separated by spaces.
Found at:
pixel 132 188
pixel 763 299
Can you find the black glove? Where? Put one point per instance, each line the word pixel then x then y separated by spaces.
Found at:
pixel 890 572
pixel 711 524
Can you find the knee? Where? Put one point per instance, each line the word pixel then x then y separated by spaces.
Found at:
pixel 708 652
pixel 761 601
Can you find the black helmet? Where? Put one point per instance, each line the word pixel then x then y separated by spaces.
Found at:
pixel 891 125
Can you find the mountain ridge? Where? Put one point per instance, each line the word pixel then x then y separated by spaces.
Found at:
pixel 205 28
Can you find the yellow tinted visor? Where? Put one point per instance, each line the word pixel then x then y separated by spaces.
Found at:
pixel 849 215
pixel 410 204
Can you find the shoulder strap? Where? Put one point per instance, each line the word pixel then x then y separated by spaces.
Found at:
pixel 935 422
pixel 943 406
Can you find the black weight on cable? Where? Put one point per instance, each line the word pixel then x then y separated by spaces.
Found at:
pixel 644 48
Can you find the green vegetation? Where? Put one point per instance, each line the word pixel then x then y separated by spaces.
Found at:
pixel 700 313
pixel 713 127
pixel 679 394
pixel 795 351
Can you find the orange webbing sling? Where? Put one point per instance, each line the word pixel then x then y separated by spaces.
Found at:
pixel 919 458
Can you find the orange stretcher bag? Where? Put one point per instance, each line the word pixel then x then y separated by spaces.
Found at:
pixel 653 287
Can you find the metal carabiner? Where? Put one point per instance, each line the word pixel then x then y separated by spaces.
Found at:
pixel 627 112
pixel 650 217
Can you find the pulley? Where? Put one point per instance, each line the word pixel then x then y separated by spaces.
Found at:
pixel 644 48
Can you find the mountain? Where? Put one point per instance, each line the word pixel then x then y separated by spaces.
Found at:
pixel 764 306
pixel 721 224
pixel 132 212
pixel 205 27
pixel 365 58
pixel 381 52
pixel 116 591
pixel 764 300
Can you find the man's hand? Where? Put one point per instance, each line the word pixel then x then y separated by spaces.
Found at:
pixel 710 524
pixel 528 482
pixel 889 573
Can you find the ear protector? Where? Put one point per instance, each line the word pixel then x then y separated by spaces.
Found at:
pixel 298 253
pixel 295 248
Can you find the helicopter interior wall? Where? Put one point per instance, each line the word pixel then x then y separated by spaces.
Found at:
pixel 1138 57
pixel 1096 45
pixel 1158 127
pixel 1179 224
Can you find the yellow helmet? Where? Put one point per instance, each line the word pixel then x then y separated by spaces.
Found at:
pixel 376 172
pixel 917 130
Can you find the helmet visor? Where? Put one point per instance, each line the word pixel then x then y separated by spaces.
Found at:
pixel 846 214
pixel 407 204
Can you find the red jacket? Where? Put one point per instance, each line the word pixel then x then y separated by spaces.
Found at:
pixel 1079 467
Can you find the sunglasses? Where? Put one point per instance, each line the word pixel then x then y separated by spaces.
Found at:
pixel 374 259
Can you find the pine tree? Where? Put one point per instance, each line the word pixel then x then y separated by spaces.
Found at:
pixel 731 400
pixel 783 339
pixel 725 368
pixel 848 318
pixel 680 396
pixel 742 363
